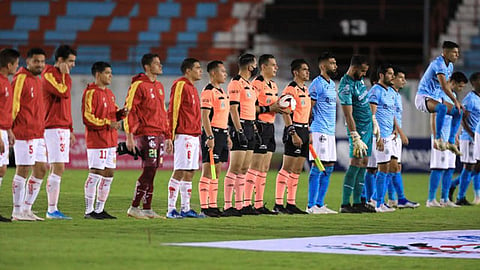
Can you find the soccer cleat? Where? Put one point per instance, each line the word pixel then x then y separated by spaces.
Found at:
pixel 393 203
pixel 463 201
pixel 173 214
pixel 384 209
pixel 441 145
pixel 328 210
pixel 448 203
pixel 92 215
pixel 136 213
pixel 249 210
pixel 348 209
pixel 265 211
pixel 450 193
pixel 30 214
pixel 363 208
pixel 372 203
pixel 105 215
pixel 314 210
pixel 4 219
pixel 149 213
pixel 216 211
pixel 454 149
pixel 57 215
pixel 476 201
pixel 292 208
pixel 191 214
pixel 20 216
pixel 280 209
pixel 231 212
pixel 407 204
pixel 209 212
pixel 433 203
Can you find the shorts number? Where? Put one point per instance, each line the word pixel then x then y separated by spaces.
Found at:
pixel 189 154
pixel 103 154
pixel 30 149
pixel 152 153
pixel 62 147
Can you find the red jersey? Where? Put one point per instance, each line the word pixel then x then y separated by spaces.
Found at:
pixel 267 94
pixel 146 104
pixel 301 114
pixel 99 111
pixel 57 98
pixel 241 92
pixel 216 100
pixel 6 100
pixel 184 109
pixel 27 109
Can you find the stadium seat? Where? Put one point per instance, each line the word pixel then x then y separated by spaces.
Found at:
pixel 30 8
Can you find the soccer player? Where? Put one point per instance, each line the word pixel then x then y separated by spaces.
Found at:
pixel 353 96
pixel 215 108
pixel 185 121
pixel 146 126
pixel 101 118
pixel 324 113
pixel 57 87
pixel 442 163
pixel 296 137
pixel 28 114
pixel 242 129
pixel 8 66
pixel 267 96
pixel 369 188
pixel 429 95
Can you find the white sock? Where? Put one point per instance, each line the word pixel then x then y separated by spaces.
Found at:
pixel 31 192
pixel 18 190
pixel 1 179
pixel 102 193
pixel 53 190
pixel 173 186
pixel 185 193
pixel 90 191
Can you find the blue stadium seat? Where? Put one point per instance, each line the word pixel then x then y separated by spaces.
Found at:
pixel 187 37
pixel 90 9
pixel 26 23
pixel 94 53
pixel 14 35
pixel 148 37
pixel 134 11
pixel 196 25
pixel 207 10
pixel 55 37
pixel 119 24
pixel 169 9
pixel 159 24
pixel 34 8
pixel 70 23
pixel 135 53
pixel 176 54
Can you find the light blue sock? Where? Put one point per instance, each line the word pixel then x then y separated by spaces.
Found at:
pixel 398 184
pixel 324 182
pixel 441 110
pixel 465 178
pixel 381 181
pixel 435 177
pixel 370 183
pixel 313 185
pixel 476 184
pixel 447 182
pixel 456 118
pixel 455 182
pixel 390 187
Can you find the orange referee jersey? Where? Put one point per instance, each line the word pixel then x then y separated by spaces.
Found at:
pixel 6 100
pixel 301 114
pixel 241 92
pixel 216 100
pixel 267 94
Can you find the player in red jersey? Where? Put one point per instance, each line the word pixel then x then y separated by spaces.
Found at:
pixel 185 122
pixel 57 87
pixel 101 118
pixel 146 126
pixel 8 66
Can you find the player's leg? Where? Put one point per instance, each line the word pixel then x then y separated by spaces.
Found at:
pixel 440 110
pixel 281 182
pixel 392 196
pixel 292 184
pixel 328 155
pixel 476 184
pixel 456 120
pixel 34 183
pixel 96 163
pixel 260 186
pixel 103 188
pixel 252 174
pixel 180 158
pixel 221 151
pixel 4 163
pixel 314 175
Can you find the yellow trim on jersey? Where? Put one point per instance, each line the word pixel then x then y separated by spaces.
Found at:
pixel 177 100
pixel 61 87
pixel 89 112
pixel 129 103
pixel 17 94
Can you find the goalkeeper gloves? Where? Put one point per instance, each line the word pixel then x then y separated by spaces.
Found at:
pixel 359 147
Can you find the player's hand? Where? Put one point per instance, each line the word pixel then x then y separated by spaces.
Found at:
pixel 376 128
pixel 229 143
pixel 210 144
pixel 310 139
pixel 242 138
pixel 115 125
pixel 380 145
pixel 458 105
pixel 274 107
pixel 130 143
pixel 11 137
pixel 168 146
pixel 359 147
pixel 120 114
pixel 64 68
pixel 296 140
pixel 404 139
pixel 72 139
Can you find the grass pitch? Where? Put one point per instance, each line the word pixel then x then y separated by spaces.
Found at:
pixel 127 243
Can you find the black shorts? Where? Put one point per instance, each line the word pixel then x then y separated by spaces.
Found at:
pixel 151 150
pixel 267 132
pixel 247 126
pixel 292 150
pixel 220 150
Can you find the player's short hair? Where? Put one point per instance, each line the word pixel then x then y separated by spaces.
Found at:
pixel 382 69
pixel 213 65
pixel 398 69
pixel 297 64
pixel 474 77
pixel 246 59
pixel 99 67
pixel 263 59
pixel 147 59
pixel 325 56
pixel 64 51
pixel 449 45
pixel 459 77
pixel 8 56
pixel 358 60
pixel 35 51
pixel 188 64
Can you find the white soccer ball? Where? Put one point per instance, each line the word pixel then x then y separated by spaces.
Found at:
pixel 287 101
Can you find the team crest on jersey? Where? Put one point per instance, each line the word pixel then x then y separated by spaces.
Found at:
pixel 6 92
pixel 152 143
pixel 222 105
pixel 248 94
pixel 151 93
pixel 269 100
pixel 31 92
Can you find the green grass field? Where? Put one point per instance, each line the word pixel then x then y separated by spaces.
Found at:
pixel 127 243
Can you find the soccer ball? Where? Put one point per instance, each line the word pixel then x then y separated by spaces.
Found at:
pixel 287 101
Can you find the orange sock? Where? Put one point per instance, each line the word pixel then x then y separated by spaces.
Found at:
pixel 260 188
pixel 292 184
pixel 229 184
pixel 203 192
pixel 239 190
pixel 282 178
pixel 250 180
pixel 212 193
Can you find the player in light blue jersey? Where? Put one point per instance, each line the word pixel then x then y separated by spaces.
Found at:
pixel 324 109
pixel 442 163
pixel 429 96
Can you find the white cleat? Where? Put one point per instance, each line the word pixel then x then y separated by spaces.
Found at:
pixel 136 213
pixel 393 203
pixel 328 210
pixel 20 216
pixel 151 214
pixel 448 203
pixel 476 201
pixel 373 203
pixel 384 209
pixel 433 203
pixel 30 214
pixel 320 210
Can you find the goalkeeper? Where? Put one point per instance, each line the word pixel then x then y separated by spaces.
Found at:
pixel 353 96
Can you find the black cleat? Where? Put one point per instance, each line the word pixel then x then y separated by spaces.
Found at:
pixel 209 212
pixel 348 209
pixel 363 200
pixel 93 215
pixel 363 208
pixel 463 201
pixel 450 193
pixel 216 210
pixel 280 209
pixel 106 215
pixel 232 212
pixel 248 210
pixel 4 219
pixel 265 211
pixel 293 209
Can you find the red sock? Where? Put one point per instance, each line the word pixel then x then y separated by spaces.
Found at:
pixel 250 180
pixel 292 184
pixel 143 184
pixel 229 184
pixel 239 190
pixel 203 191
pixel 260 188
pixel 213 193
pixel 281 182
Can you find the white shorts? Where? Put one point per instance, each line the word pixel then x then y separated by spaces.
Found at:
pixel 397 149
pixel 186 152
pixel 102 158
pixel 372 160
pixel 441 159
pixel 29 152
pixel 325 147
pixel 385 155
pixel 467 149
pixel 476 150
pixel 58 145
pixel 4 155
pixel 421 102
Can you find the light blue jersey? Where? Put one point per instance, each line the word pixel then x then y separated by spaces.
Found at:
pixel 471 103
pixel 354 92
pixel 385 99
pixel 398 108
pixel 325 110
pixel 429 84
